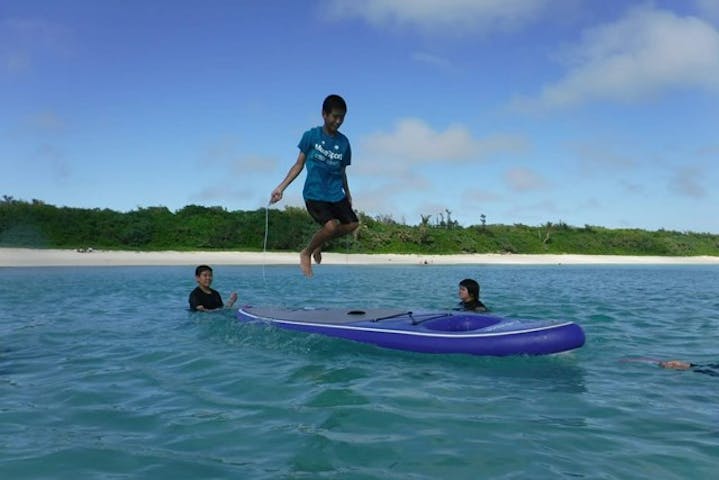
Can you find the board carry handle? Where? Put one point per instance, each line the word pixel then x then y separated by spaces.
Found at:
pixel 402 314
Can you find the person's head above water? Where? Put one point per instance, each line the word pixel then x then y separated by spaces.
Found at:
pixel 471 287
pixel 202 268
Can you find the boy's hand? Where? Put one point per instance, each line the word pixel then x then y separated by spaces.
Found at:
pixel 233 299
pixel 276 195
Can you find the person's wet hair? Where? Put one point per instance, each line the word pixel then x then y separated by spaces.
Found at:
pixel 202 268
pixel 472 287
pixel 334 102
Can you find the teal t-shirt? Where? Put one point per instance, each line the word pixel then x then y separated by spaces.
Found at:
pixel 325 159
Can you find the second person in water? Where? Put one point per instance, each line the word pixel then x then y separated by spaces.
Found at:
pixel 469 296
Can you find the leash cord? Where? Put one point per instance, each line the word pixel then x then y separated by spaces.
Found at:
pixel 264 244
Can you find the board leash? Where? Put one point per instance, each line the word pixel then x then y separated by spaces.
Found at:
pixel 347 249
pixel 264 243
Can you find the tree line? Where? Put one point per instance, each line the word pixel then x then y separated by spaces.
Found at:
pixel 37 224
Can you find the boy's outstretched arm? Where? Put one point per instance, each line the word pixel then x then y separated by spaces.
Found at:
pixel 291 175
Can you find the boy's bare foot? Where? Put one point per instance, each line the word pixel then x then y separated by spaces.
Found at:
pixel 317 255
pixel 306 264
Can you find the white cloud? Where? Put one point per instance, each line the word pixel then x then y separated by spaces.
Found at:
pixel 445 16
pixel 382 197
pixel 641 55
pixel 535 213
pixel 435 61
pixel 475 196
pixel 225 154
pixel 228 168
pixel 253 164
pixel 687 181
pixel 596 156
pixel 522 179
pixel 414 142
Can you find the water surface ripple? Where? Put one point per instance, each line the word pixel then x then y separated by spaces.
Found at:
pixel 105 374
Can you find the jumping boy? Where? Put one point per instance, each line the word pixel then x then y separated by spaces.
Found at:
pixel 326 152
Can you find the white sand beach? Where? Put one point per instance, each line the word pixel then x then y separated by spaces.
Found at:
pixel 28 257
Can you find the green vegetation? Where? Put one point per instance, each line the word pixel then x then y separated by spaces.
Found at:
pixel 39 225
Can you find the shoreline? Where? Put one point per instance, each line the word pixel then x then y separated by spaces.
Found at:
pixel 30 257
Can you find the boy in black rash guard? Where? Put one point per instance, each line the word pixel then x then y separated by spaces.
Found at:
pixel 204 298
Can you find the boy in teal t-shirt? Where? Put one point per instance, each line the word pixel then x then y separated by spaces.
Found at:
pixel 326 153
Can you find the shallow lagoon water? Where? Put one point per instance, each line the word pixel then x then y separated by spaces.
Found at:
pixel 105 374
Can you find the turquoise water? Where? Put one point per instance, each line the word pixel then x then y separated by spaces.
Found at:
pixel 104 374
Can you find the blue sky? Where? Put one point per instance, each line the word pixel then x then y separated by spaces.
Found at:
pixel 526 111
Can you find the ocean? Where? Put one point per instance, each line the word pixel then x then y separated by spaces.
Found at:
pixel 105 374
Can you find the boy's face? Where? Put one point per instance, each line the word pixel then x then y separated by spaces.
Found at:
pixel 333 120
pixel 464 294
pixel 204 279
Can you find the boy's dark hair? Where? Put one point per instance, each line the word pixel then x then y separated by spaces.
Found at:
pixel 334 102
pixel 202 268
pixel 472 287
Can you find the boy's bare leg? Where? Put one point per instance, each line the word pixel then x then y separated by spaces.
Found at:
pixel 345 228
pixel 340 229
pixel 305 264
pixel 318 239
pixel 317 254
pixel 330 230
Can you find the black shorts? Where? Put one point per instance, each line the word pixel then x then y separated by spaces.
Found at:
pixel 323 212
